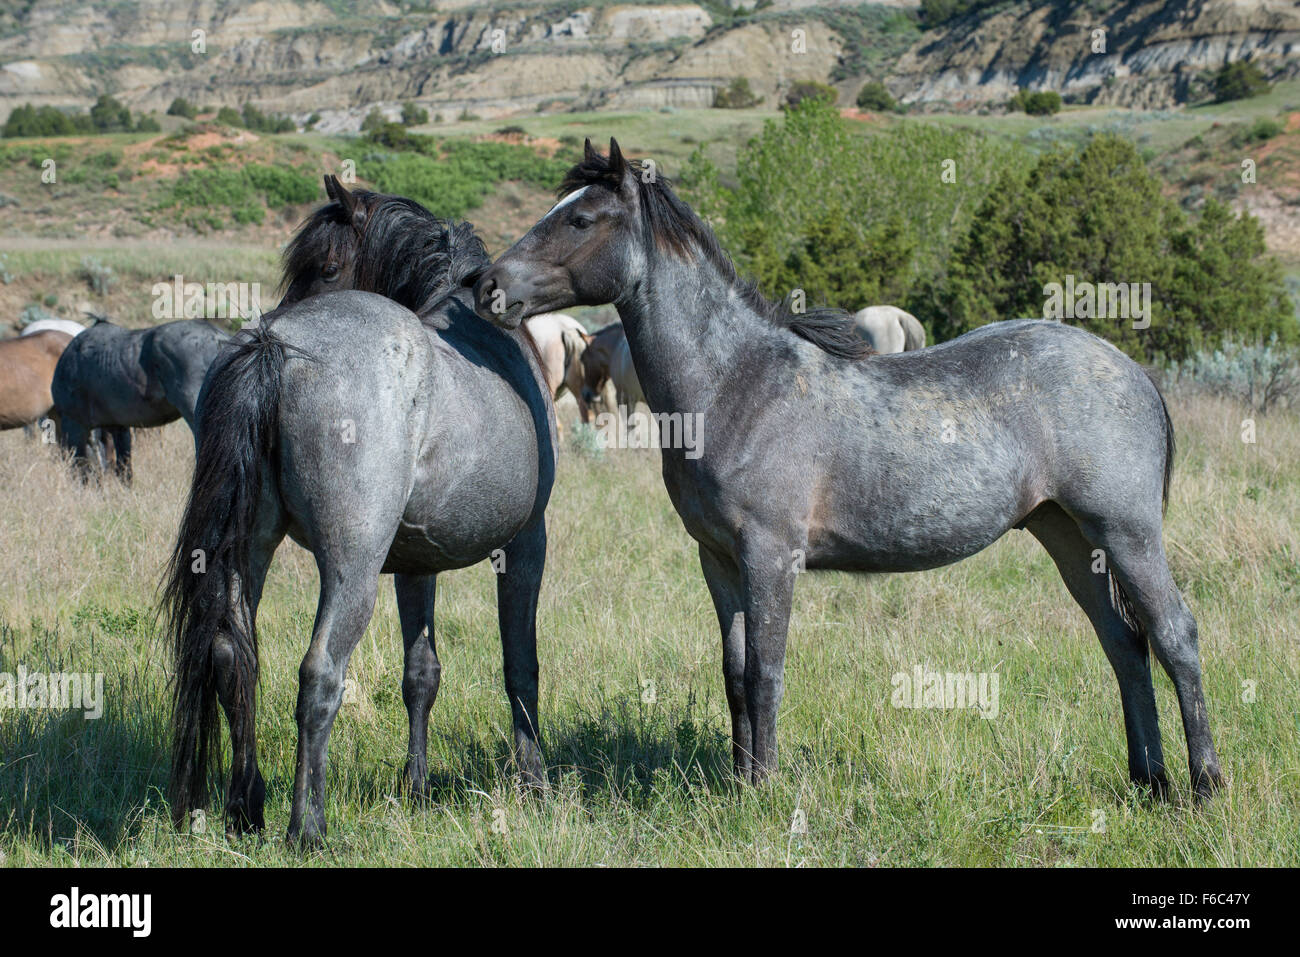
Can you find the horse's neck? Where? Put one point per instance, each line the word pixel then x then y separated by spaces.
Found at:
pixel 687 330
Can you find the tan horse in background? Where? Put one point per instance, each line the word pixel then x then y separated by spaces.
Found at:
pixel 561 341
pixel 26 371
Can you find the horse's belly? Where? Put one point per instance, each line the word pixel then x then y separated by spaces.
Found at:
pixel 452 527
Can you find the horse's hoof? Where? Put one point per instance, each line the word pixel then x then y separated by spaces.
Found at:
pixel 1209 781
pixel 308 839
pixel 1156 784
pixel 534 782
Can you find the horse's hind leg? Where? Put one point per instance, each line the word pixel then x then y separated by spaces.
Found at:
pixel 347 601
pixel 518 585
pixel 1125 647
pixel 1137 559
pixel 723 579
pixel 121 452
pixel 247 793
pixel 415 603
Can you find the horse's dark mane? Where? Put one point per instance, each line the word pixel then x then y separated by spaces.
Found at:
pixel 403 252
pixel 675 228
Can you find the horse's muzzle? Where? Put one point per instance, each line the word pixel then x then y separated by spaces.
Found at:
pixel 498 300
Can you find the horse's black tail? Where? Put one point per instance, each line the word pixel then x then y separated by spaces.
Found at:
pixel 206 577
pixel 1170 446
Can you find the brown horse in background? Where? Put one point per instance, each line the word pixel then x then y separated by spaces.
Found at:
pixel 26 371
pixel 597 364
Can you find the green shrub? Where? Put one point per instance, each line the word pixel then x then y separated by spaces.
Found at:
pixel 1261 130
pixel 1238 81
pixel 1098 214
pixel 109 116
pixel 395 136
pixel 453 176
pixel 875 97
pixel 937 12
pixel 254 119
pixel 863 220
pixel 182 107
pixel 1260 375
pixel 414 115
pixel 737 96
pixel 100 277
pixel 809 90
pixel 229 116
pixel 247 191
pixel 1040 103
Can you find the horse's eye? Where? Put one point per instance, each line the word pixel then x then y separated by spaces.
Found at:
pixel 581 221
pixel 330 271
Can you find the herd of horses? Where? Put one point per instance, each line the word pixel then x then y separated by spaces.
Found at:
pixel 395 414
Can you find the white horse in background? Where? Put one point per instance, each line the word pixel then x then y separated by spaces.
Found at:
pixel 56 325
pixel 890 329
pixel 561 340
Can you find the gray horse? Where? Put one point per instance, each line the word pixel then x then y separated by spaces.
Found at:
pixel 816 455
pixel 116 379
pixel 382 441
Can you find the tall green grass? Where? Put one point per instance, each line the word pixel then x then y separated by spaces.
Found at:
pixel 634 720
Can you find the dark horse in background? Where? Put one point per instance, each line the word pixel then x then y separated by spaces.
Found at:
pixel 875 463
pixel 389 430
pixel 115 379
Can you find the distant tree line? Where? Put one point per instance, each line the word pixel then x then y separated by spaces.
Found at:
pixel 108 115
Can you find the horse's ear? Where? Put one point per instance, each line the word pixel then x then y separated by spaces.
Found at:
pixel 353 211
pixel 589 152
pixel 617 165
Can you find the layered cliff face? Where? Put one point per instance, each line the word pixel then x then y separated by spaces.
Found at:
pixel 340 59
pixel 1149 54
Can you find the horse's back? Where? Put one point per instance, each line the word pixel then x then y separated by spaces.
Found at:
pixel 390 435
pixel 57 325
pixel 1064 410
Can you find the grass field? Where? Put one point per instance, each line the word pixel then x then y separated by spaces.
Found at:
pixel 633 716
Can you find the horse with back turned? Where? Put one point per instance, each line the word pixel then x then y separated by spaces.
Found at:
pixel 357 423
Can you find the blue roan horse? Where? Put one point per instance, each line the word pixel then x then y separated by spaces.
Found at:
pixel 870 462
pixel 382 439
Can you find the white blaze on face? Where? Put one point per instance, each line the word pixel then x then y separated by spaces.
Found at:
pixel 572 197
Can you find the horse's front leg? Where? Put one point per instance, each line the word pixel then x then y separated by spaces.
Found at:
pixel 768 572
pixel 519 580
pixel 727 591
pixel 121 452
pixel 415 602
